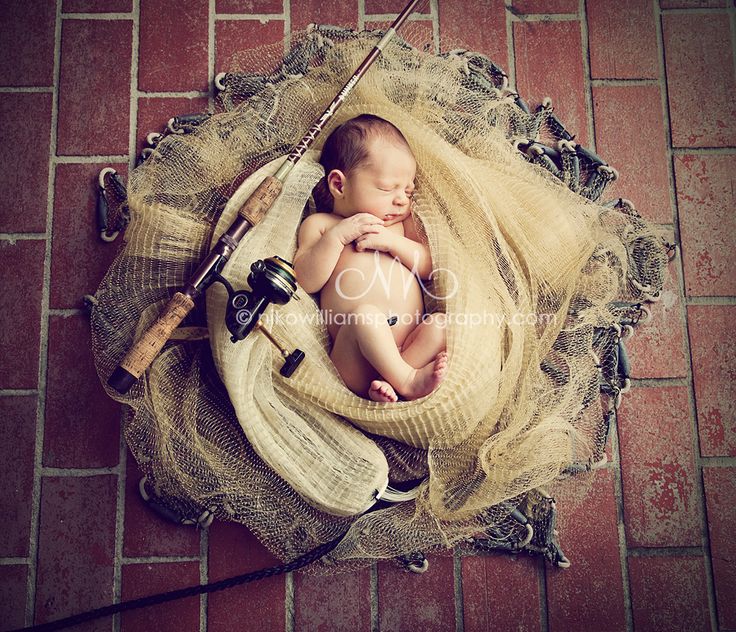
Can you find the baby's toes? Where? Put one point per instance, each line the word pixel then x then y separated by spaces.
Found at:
pixel 440 365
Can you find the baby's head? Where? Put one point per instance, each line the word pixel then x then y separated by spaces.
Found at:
pixel 369 168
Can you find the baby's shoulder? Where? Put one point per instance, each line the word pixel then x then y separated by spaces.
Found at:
pixel 320 220
pixel 313 227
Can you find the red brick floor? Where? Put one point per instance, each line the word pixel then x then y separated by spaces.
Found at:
pixel 649 84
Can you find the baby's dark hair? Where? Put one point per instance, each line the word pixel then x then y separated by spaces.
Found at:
pixel 346 148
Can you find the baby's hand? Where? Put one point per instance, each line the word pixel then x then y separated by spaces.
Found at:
pixel 353 227
pixel 381 239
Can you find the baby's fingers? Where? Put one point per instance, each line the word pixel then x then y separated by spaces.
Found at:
pixel 366 219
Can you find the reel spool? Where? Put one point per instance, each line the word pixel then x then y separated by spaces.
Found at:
pixel 271 280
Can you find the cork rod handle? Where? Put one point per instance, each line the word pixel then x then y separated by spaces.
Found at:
pixel 147 347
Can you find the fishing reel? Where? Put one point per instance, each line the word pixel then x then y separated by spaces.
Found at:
pixel 271 280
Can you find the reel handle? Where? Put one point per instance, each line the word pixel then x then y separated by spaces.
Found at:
pixel 147 347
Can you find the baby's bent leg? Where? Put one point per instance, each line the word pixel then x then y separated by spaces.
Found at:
pixel 354 369
pixel 425 341
pixel 376 344
pixel 367 325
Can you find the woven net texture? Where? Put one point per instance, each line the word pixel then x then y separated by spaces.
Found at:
pixel 526 271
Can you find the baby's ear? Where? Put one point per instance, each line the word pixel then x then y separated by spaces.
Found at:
pixel 336 182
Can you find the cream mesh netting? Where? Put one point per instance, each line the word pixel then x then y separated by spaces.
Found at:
pixel 526 271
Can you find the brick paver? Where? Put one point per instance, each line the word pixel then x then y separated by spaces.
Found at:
pixel 27 45
pixel 80 257
pixel 630 134
pixel 720 487
pixel 706 194
pixel 347 610
pixel 173 45
pixel 678 582
pixel 590 594
pixel 713 354
pixel 501 593
pixel 21 280
pixel 693 43
pixel 658 468
pixel 623 42
pixel 648 85
pixel 90 73
pixel 549 63
pixel 24 141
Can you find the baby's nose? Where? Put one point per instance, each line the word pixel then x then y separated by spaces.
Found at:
pixel 402 199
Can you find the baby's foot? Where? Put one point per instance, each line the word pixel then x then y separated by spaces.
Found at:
pixel 426 379
pixel 381 391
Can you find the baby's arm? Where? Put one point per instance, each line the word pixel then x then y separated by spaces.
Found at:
pixel 317 253
pixel 409 248
pixel 320 247
pixel 412 251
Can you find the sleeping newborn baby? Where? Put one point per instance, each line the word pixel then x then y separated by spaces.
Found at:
pixel 364 258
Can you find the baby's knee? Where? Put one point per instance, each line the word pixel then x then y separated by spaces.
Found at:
pixel 437 328
pixel 437 322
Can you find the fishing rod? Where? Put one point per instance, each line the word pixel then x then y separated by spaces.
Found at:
pixel 147 347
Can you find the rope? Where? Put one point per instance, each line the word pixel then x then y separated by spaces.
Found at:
pixel 191 591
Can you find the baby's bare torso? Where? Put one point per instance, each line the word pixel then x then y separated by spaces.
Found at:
pixel 372 277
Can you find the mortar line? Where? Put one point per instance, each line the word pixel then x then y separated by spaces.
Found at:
pixel 695 10
pixel 623 82
pixel 18 392
pixel 287 26
pixel 13 237
pixel 375 619
pixel 585 53
pixel 511 70
pixel 390 17
pixel 544 17
pixel 263 18
pixel 211 54
pixel 119 522
pixel 173 94
pixel 96 16
pixel 24 89
pixel 160 559
pixel 67 312
pixel 289 602
pixel 694 435
pixel 705 151
pixel 86 160
pixel 623 546
pixel 710 300
pixel 15 561
pixel 718 461
pixel 434 12
pixel 133 113
pixel 204 557
pixel 659 381
pixel 665 551
pixel 75 472
pixel 43 336
pixel 361 15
